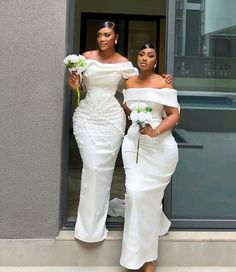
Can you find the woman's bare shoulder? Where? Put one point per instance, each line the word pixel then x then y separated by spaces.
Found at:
pixel 131 82
pixel 160 82
pixel 120 58
pixel 90 54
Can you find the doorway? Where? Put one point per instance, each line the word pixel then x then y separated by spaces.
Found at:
pixel 134 31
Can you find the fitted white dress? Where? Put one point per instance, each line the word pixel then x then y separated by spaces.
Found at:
pixel 147 179
pixel 98 126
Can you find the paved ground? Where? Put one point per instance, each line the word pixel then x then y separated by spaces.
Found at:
pixel 115 269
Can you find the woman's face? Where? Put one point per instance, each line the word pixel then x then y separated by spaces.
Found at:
pixel 147 59
pixel 106 38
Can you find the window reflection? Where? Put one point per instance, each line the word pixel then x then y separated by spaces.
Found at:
pixel 205 45
pixel 205 77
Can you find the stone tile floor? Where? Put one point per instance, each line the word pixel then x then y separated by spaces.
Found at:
pixel 116 269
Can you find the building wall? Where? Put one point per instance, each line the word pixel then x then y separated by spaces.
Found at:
pixel 31 110
pixel 145 7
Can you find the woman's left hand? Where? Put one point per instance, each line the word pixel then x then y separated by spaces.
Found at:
pixel 168 79
pixel 148 130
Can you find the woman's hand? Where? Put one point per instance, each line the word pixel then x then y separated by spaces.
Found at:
pixel 168 79
pixel 148 130
pixel 74 81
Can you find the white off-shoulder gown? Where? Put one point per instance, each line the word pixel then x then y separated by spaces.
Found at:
pixel 98 126
pixel 147 179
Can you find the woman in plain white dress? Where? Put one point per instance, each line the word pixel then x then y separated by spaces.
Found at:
pixel 98 125
pixel 147 179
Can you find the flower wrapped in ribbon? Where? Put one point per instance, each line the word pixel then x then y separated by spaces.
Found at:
pixel 76 64
pixel 140 115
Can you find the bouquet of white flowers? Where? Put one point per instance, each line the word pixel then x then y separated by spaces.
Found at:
pixel 76 64
pixel 140 115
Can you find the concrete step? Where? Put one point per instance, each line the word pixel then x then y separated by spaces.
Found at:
pixel 177 249
pixel 115 269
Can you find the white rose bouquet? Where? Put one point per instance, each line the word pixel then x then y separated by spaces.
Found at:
pixel 140 115
pixel 77 64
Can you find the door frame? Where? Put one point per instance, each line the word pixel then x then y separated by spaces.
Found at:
pixel 71 16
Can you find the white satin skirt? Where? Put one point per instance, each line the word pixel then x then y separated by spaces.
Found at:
pixel 145 185
pixel 98 126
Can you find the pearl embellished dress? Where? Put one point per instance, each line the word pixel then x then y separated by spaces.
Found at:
pixel 146 180
pixel 98 126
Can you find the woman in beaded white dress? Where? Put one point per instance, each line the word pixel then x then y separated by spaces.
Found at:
pixel 147 179
pixel 98 125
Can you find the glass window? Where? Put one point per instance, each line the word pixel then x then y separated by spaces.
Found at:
pixel 205 46
pixel 203 186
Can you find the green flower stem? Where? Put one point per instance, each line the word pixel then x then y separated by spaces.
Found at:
pixel 78 94
pixel 137 153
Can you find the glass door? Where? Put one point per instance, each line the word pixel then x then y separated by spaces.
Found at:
pixel 202 56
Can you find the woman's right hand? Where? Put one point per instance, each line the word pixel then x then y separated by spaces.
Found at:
pixel 73 81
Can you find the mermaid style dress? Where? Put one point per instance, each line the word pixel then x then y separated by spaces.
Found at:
pixel 98 126
pixel 147 179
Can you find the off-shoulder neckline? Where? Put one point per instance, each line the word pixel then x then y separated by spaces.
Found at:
pixel 107 63
pixel 149 88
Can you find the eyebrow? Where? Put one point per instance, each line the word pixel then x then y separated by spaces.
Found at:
pixel 148 53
